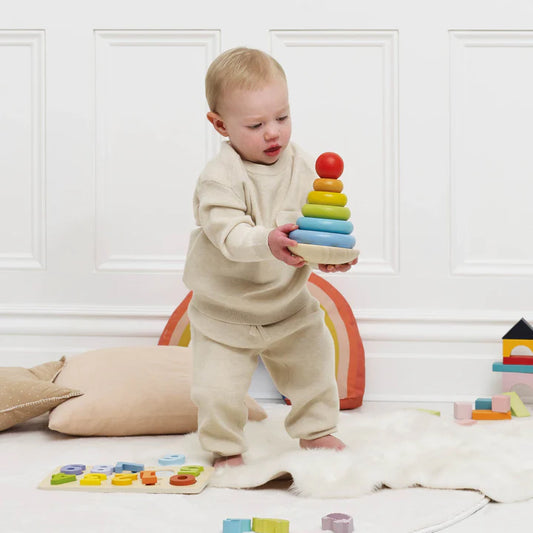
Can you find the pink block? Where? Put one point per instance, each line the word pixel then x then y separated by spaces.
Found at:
pixel 510 379
pixel 501 403
pixel 462 410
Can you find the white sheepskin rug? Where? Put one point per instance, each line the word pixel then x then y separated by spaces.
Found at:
pixel 398 449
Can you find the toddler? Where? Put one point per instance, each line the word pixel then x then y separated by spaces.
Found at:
pixel 250 293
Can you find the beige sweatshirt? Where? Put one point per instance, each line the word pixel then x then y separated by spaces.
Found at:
pixel 230 269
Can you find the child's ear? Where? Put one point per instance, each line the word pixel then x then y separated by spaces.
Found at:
pixel 218 123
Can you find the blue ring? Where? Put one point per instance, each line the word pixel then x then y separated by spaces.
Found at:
pixel 330 225
pixel 322 238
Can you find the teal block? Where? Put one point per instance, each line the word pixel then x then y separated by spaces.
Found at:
pixel 484 404
pixel 500 367
pixel 236 525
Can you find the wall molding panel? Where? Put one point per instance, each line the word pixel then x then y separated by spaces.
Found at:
pixel 22 136
pixel 382 68
pixel 490 209
pixel 124 99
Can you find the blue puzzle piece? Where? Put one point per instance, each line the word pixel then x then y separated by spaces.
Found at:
pixel 236 525
pixel 176 459
pixel 129 467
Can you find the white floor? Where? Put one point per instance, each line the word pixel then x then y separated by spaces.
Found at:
pixel 494 517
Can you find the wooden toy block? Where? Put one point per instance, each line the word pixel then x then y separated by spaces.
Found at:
pixel 236 525
pixel 521 334
pixel 462 410
pixel 483 414
pixel 518 360
pixel 484 404
pixel 338 523
pixel 270 525
pixel 509 379
pixel 500 367
pixel 517 406
pixel 510 344
pixel 501 403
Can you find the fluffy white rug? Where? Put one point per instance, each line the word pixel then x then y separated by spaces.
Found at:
pixel 398 449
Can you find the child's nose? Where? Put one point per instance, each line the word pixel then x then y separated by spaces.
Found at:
pixel 271 132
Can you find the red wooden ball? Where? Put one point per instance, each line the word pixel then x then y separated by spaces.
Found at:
pixel 329 165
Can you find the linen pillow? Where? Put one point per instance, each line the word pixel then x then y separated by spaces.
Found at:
pixel 340 321
pixel 143 390
pixel 29 392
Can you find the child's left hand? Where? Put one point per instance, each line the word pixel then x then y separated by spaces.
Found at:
pixel 344 267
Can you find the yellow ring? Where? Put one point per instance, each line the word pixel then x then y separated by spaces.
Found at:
pixel 330 185
pixel 327 198
pixel 326 211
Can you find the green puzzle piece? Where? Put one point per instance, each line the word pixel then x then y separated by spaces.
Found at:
pixel 191 470
pixel 59 479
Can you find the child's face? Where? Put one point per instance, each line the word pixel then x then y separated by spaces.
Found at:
pixel 257 122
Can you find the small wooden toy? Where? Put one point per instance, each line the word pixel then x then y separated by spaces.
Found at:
pixel 462 410
pixel 189 479
pixel 270 525
pixel 176 459
pixel 484 403
pixel 323 233
pixel 484 414
pixel 338 523
pixel 521 334
pixel 517 406
pixel 236 525
pixel 501 403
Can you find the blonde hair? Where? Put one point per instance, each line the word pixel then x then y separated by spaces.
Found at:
pixel 239 68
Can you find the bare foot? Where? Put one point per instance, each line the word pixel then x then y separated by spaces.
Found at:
pixel 232 460
pixel 328 441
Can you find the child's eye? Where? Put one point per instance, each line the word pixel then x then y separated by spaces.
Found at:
pixel 281 119
pixel 255 126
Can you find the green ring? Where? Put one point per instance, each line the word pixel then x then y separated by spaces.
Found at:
pixel 326 211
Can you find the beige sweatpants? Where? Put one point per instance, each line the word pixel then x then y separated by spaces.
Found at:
pixel 298 353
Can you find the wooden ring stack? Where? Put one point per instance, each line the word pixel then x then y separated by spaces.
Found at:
pixel 323 233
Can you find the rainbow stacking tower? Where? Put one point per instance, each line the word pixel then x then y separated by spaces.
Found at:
pixel 324 231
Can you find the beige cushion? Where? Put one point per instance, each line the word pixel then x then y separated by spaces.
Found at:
pixel 29 392
pixel 131 391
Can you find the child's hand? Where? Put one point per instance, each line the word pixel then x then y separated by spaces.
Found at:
pixel 337 268
pixel 278 240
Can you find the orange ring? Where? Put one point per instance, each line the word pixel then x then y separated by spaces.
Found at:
pixel 182 479
pixel 330 185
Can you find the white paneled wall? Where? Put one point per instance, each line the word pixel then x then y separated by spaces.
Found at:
pixel 103 133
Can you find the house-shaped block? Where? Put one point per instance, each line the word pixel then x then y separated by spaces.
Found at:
pixel 521 334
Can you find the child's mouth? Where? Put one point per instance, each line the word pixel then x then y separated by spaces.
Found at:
pixel 273 150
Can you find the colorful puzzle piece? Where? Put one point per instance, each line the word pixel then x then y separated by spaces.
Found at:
pixel 176 459
pixel 236 525
pixel 338 523
pixel 270 525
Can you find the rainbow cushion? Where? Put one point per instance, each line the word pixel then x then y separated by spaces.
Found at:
pixel 340 321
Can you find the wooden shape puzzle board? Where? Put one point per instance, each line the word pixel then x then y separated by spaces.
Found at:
pixel 163 485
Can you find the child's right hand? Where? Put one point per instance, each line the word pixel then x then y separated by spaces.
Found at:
pixel 278 240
